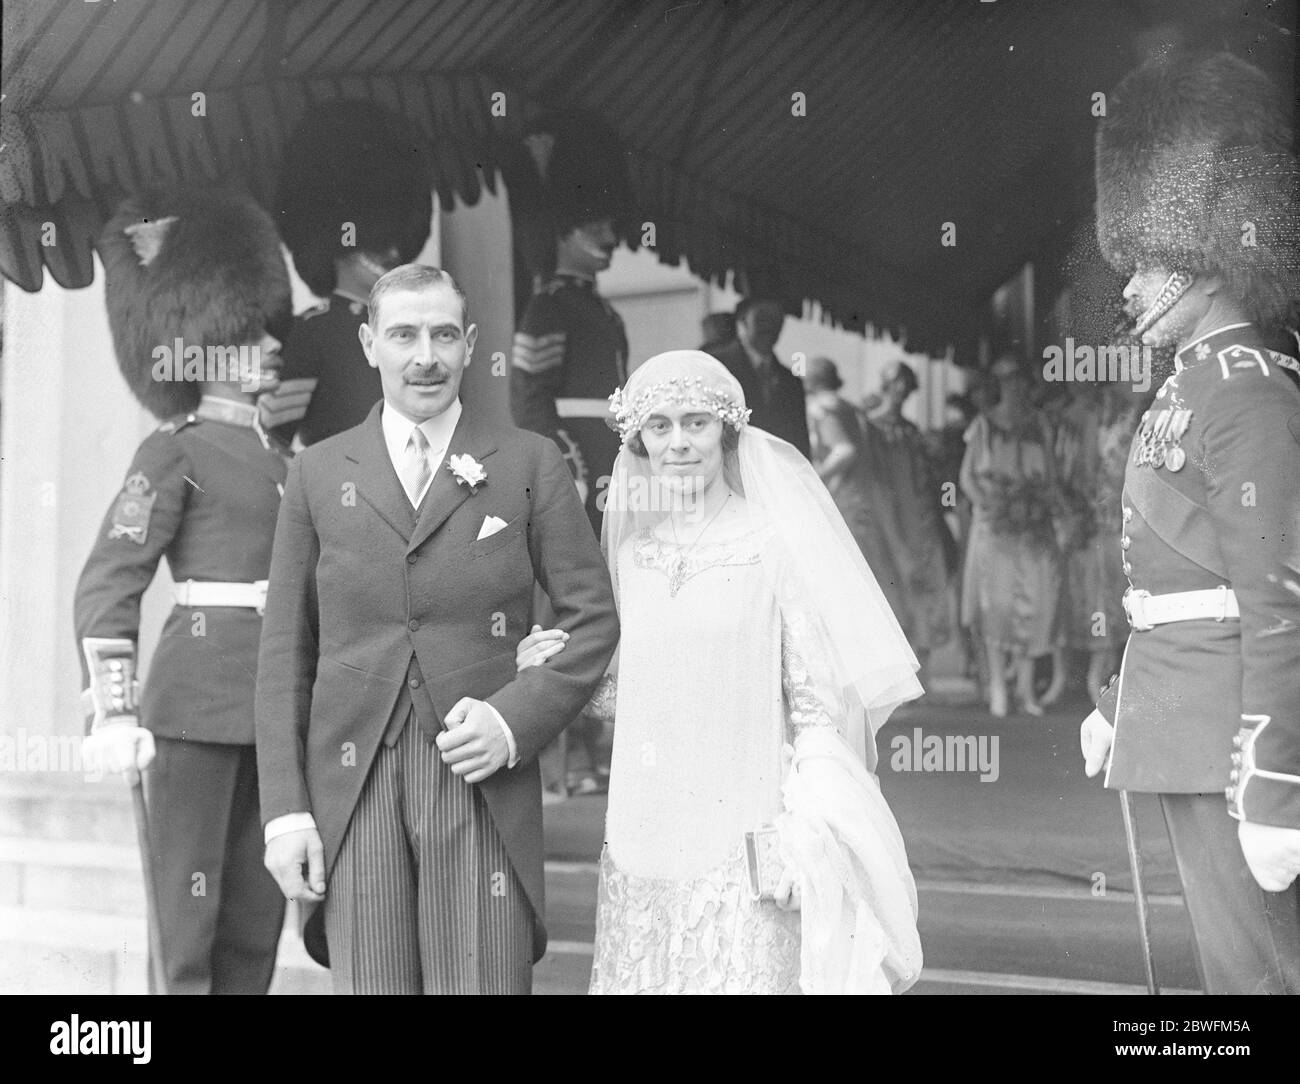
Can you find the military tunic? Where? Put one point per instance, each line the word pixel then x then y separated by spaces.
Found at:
pixel 204 494
pixel 570 353
pixel 325 345
pixel 1211 501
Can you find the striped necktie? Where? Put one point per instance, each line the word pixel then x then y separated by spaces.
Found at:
pixel 415 466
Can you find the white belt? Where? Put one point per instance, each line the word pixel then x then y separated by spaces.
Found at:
pixel 215 593
pixel 582 408
pixel 1146 611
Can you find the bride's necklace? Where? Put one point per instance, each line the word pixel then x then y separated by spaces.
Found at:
pixel 678 574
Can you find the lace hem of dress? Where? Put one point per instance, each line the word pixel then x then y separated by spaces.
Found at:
pixel 707 935
pixel 682 563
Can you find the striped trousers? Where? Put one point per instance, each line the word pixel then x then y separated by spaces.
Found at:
pixel 422 898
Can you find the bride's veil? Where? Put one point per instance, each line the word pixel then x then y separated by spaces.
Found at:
pixel 814 565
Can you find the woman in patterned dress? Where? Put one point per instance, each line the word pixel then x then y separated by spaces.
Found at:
pixel 1012 585
pixel 758 657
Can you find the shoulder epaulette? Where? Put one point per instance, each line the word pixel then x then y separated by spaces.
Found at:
pixel 176 424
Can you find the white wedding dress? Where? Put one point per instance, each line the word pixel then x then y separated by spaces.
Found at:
pixel 716 681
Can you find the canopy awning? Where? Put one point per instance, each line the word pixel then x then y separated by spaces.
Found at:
pixel 818 147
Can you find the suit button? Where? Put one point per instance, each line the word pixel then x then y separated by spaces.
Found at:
pixel 1236 760
pixel 1227 793
pixel 1128 514
pixel 414 683
pixel 410 558
pixel 1233 776
pixel 413 624
pixel 1125 542
pixel 1127 568
pixel 1236 740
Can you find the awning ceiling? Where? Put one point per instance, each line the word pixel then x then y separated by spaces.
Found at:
pixel 917 115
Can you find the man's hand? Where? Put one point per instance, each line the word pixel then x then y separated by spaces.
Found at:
pixel 124 748
pixel 473 746
pixel 1272 853
pixel 286 856
pixel 1095 738
pixel 287 403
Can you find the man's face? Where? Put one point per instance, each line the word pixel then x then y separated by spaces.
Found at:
pixel 1174 326
pixel 421 348
pixel 590 246
pixel 684 446
pixel 264 374
pixel 760 327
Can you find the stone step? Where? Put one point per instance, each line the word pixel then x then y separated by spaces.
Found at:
pixel 71 875
pixel 65 806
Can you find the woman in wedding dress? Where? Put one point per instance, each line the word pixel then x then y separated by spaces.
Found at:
pixel 758 658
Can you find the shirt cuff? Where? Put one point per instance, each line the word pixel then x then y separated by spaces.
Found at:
pixel 290 822
pixel 510 738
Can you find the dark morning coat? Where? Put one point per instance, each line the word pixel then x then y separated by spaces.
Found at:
pixel 372 610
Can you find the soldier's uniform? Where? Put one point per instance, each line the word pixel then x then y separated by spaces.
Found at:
pixel 325 346
pixel 570 353
pixel 1207 700
pixel 203 490
pixel 1211 549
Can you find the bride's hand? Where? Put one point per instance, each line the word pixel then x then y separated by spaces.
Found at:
pixel 786 893
pixel 538 646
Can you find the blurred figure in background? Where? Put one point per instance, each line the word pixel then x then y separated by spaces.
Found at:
pixel 842 460
pixel 774 394
pixel 1012 582
pixel 717 329
pixel 909 502
pixel 1091 449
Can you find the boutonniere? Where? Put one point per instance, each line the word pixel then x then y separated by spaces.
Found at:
pixel 468 471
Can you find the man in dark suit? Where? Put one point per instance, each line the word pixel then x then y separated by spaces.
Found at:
pixel 203 491
pixel 1208 695
pixel 773 392
pixel 397 744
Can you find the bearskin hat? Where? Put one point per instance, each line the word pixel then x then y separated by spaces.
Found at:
pixel 200 265
pixel 352 162
pixel 1194 172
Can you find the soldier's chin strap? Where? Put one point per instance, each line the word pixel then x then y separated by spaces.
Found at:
pixel 1177 284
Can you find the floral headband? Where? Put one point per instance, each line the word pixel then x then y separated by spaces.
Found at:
pixel 630 414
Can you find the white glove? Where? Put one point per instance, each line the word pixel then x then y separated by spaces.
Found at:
pixel 119 747
pixel 1095 738
pixel 1272 853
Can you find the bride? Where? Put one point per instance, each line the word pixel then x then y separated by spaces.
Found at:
pixel 748 848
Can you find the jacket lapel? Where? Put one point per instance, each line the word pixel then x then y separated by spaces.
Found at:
pixel 377 481
pixel 445 494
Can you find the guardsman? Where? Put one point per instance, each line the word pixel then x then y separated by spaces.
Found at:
pixel 570 348
pixel 203 490
pixel 355 201
pixel 1196 201
pixel 569 354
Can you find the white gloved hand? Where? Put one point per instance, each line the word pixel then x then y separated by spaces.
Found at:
pixel 1095 739
pixel 118 747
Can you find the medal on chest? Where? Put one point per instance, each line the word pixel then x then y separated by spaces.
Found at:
pixel 1159 439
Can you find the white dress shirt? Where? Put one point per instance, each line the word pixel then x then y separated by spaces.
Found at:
pixel 397 435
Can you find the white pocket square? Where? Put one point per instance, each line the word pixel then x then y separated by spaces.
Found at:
pixel 491 524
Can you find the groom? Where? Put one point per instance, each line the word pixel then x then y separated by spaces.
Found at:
pixel 396 743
